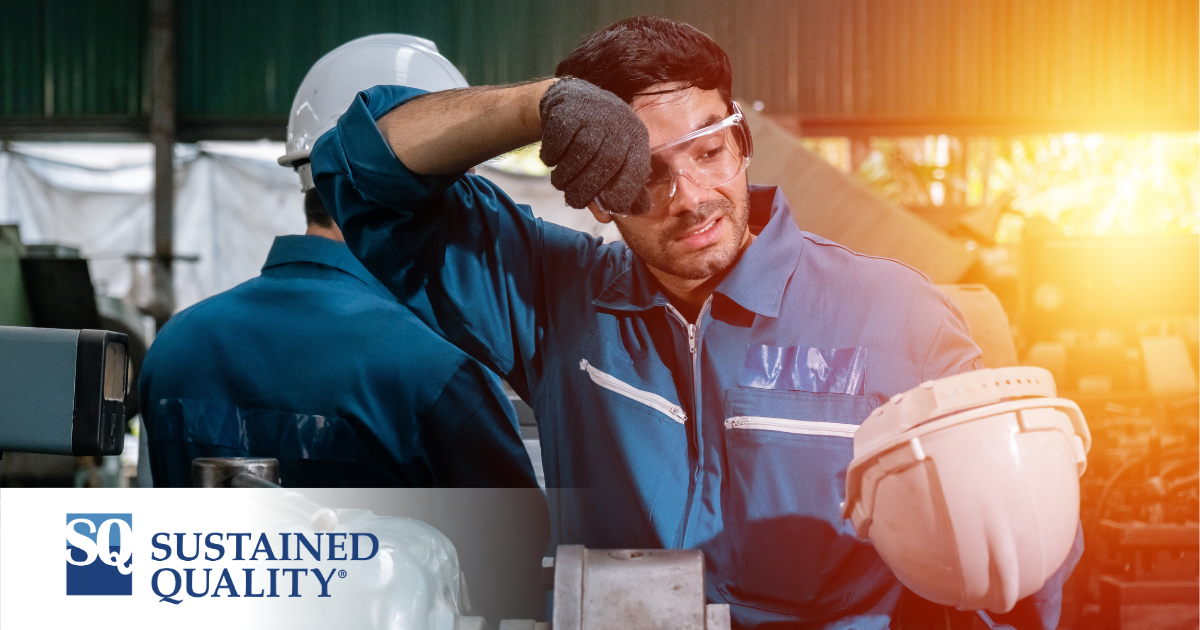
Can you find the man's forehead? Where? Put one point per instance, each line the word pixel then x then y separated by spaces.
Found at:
pixel 676 113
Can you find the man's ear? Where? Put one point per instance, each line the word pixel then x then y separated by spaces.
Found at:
pixel 600 215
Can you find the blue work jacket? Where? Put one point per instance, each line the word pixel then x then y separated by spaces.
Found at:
pixel 730 434
pixel 316 364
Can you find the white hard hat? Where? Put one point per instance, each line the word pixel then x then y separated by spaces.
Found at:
pixel 332 82
pixel 968 486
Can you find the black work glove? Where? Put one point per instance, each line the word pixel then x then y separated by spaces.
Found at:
pixel 600 148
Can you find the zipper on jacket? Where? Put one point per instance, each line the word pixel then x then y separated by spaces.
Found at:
pixel 692 330
pixel 652 400
pixel 692 333
pixel 802 427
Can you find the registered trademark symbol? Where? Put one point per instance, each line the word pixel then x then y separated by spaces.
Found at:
pixel 342 573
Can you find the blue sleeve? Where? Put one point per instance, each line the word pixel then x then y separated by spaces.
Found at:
pixel 471 434
pixel 952 350
pixel 456 250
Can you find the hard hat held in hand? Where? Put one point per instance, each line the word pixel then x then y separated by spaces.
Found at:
pixel 332 83
pixel 968 486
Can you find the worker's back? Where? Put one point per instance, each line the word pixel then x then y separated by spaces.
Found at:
pixel 315 363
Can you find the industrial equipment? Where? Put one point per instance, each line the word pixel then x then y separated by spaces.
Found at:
pixel 968 485
pixel 1115 320
pixel 1108 283
pixel 636 589
pixel 63 391
pixel 633 589
pixel 1141 503
pixel 50 286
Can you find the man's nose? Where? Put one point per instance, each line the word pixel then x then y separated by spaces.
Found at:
pixel 687 195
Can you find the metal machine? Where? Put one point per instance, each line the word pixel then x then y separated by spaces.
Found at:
pixel 637 589
pixel 59 338
pixel 50 286
pixel 633 589
pixel 62 391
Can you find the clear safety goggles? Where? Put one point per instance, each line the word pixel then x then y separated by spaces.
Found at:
pixel 708 157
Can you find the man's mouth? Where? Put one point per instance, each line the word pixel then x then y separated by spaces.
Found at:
pixel 703 235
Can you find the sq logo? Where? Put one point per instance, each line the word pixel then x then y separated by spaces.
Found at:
pixel 99 554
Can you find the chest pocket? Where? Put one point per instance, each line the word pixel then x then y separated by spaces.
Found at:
pixel 790 551
pixel 634 408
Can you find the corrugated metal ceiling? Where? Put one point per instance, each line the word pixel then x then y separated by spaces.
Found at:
pixel 846 67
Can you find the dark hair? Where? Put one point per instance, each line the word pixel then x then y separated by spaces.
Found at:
pixel 631 56
pixel 315 212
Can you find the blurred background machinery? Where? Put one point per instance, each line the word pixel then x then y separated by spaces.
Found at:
pixel 1115 319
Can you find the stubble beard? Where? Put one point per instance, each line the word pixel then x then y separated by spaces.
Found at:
pixel 716 259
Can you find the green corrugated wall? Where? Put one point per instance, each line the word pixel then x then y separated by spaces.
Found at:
pixel 246 59
pixel 916 65
pixel 73 58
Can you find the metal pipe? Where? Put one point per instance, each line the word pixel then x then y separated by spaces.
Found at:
pixel 248 480
pixel 162 135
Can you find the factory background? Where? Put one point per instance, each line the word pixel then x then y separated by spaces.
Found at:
pixel 1044 153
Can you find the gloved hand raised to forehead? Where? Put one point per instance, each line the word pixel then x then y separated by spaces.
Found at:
pixel 598 146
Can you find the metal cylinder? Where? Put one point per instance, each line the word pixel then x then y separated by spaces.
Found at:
pixel 219 472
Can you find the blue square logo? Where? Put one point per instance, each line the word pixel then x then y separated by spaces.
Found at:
pixel 99 554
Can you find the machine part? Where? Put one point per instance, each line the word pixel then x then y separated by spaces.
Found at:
pixel 62 391
pixel 331 84
pixel 1140 507
pixel 235 472
pixel 121 316
pixel 987 461
pixel 634 589
pixel 523 624
pixel 249 480
pixel 1169 371
pixel 51 250
pixel 1158 587
pixel 1106 282
pixel 548 573
pixel 14 308
pixel 60 292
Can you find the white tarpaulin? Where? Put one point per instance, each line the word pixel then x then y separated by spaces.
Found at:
pixel 232 199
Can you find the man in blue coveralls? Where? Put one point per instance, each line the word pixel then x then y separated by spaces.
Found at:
pixel 702 380
pixel 315 363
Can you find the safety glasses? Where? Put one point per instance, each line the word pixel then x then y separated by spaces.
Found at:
pixel 708 157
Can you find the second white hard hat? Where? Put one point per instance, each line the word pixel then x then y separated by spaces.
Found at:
pixel 332 83
pixel 968 486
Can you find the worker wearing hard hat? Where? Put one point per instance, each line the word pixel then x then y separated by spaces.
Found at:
pixel 704 378
pixel 314 362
